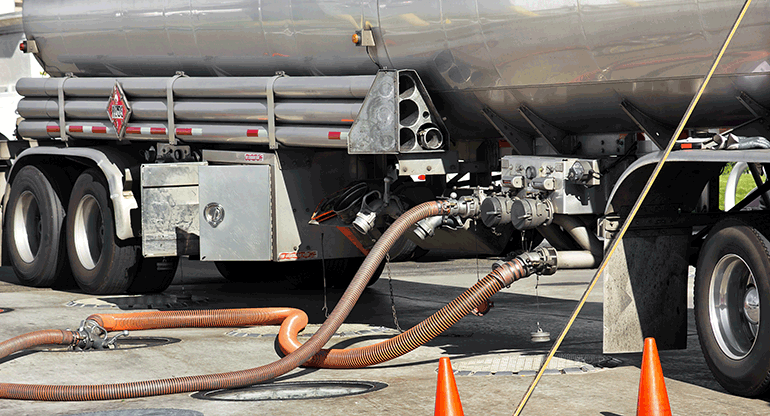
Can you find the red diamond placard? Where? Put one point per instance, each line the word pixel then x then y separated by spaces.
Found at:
pixel 118 110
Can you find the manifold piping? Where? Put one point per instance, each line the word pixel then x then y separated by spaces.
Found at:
pixel 221 380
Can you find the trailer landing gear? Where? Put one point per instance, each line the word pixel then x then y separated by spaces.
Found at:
pixel 732 290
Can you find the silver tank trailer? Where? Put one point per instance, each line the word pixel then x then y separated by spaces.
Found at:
pixel 572 62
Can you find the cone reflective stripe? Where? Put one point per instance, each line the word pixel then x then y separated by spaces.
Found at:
pixel 447 396
pixel 653 398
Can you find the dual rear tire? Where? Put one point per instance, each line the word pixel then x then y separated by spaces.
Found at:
pixel 41 242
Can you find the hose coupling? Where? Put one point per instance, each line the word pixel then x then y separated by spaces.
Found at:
pixel 507 272
pixel 463 207
pixel 427 227
pixel 91 335
pixel 540 261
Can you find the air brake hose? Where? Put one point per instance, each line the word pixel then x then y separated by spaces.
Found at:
pixel 231 379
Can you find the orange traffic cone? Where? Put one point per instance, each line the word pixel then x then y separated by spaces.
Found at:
pixel 447 396
pixel 653 399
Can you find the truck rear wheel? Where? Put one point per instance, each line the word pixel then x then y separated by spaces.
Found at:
pixel 154 275
pixel 34 221
pixel 732 307
pixel 101 264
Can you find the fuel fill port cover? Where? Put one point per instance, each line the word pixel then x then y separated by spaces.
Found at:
pixel 301 390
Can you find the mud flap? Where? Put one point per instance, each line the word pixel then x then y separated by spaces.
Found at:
pixel 645 291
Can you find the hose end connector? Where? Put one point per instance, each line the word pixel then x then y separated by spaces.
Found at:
pixel 90 335
pixel 463 207
pixel 540 261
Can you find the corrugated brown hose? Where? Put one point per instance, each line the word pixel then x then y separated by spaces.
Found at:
pixel 292 321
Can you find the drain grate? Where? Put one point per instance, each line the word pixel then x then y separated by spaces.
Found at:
pixel 301 390
pixel 5 310
pixel 158 301
pixel 523 364
pixel 124 343
pixel 142 412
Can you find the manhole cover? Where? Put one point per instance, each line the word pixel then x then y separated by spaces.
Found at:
pixel 523 364
pixel 4 310
pixel 345 331
pixel 158 301
pixel 124 343
pixel 293 391
pixel 142 412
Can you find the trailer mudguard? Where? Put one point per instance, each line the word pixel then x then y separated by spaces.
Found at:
pixel 121 195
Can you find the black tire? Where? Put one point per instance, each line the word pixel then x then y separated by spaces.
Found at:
pixel 154 275
pixel 403 250
pixel 34 219
pixel 240 271
pixel 732 290
pixel 340 272
pixel 101 264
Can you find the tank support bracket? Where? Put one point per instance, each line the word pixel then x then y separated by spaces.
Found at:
pixel 520 141
pixel 657 131
pixel 756 109
pixel 556 137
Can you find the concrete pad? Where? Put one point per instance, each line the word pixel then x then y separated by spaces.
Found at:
pixel 588 382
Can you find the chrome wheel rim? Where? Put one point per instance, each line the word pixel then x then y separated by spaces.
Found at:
pixel 734 306
pixel 27 227
pixel 88 232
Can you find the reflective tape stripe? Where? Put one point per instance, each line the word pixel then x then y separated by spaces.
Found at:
pixel 86 129
pixel 189 132
pixel 146 131
pixel 252 133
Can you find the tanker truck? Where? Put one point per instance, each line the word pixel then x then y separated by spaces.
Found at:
pixel 277 138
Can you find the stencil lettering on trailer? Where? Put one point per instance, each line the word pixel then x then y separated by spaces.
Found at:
pixel 298 255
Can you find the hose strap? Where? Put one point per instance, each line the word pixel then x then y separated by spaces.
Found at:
pixel 270 92
pixel 170 107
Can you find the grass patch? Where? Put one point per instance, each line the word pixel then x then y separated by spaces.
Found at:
pixel 745 185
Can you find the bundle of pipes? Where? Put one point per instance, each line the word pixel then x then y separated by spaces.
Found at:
pixel 308 111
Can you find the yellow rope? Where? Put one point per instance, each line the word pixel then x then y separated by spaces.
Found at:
pixel 634 210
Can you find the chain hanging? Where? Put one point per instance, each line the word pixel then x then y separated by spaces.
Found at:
pixel 392 298
pixel 323 274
